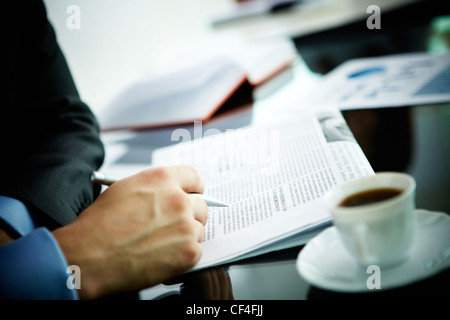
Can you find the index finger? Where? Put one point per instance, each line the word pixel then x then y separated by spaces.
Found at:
pixel 188 179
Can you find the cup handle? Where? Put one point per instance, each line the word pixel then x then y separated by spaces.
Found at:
pixel 367 256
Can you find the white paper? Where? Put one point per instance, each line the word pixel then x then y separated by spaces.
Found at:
pixel 273 179
pixel 388 81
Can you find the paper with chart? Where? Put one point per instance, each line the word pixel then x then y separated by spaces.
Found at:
pixel 272 178
pixel 387 81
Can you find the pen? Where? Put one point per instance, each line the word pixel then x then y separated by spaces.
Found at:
pixel 101 178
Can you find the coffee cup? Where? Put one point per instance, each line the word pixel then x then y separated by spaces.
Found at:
pixel 374 216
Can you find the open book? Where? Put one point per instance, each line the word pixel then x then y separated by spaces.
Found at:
pixel 194 91
pixel 273 179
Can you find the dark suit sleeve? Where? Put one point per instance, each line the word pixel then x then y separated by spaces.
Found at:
pixel 50 141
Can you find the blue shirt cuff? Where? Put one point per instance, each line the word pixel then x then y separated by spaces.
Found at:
pixel 34 267
pixel 15 217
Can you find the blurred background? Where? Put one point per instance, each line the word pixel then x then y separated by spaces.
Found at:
pixel 119 42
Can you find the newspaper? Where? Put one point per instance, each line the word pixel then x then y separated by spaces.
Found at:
pixel 273 179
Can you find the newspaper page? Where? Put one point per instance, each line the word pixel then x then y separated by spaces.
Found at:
pixel 273 179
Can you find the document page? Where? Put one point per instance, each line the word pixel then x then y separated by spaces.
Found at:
pixel 273 179
pixel 386 81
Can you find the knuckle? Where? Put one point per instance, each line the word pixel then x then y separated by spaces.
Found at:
pixel 201 185
pixel 191 253
pixel 187 227
pixel 205 210
pixel 179 201
pixel 191 169
pixel 160 173
pixel 203 213
pixel 199 182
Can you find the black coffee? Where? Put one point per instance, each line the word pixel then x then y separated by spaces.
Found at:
pixel 369 196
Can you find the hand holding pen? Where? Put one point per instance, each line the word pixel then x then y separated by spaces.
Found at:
pixel 141 231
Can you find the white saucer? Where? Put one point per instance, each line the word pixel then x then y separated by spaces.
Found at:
pixel 325 263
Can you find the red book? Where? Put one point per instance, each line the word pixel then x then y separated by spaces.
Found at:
pixel 195 93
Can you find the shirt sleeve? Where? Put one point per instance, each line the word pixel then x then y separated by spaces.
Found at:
pixel 15 218
pixel 34 267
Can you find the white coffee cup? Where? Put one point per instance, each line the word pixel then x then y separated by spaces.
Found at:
pixel 379 233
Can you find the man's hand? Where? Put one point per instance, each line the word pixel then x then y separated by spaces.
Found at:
pixel 4 237
pixel 141 231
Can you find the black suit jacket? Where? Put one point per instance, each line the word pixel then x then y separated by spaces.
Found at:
pixel 49 138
